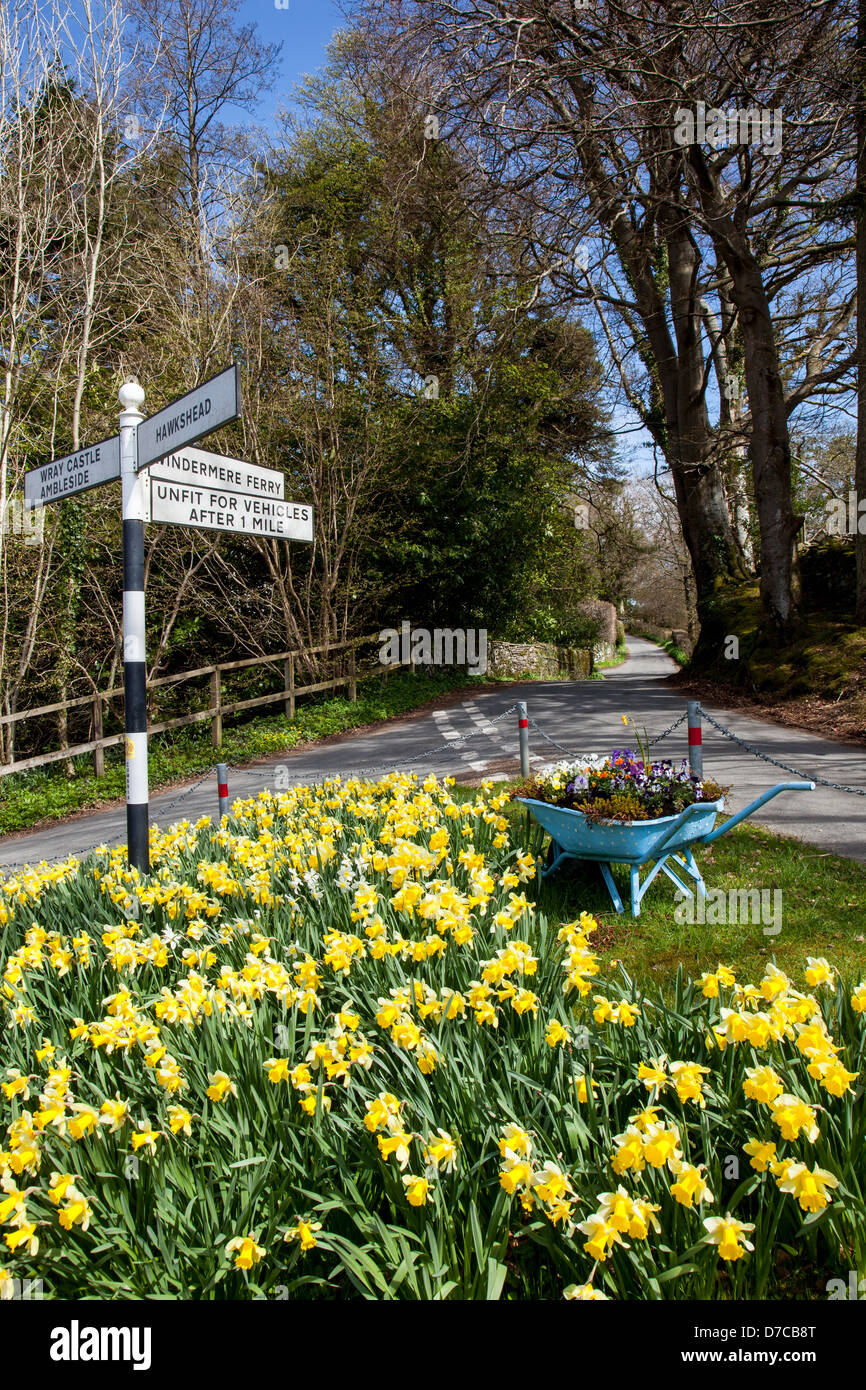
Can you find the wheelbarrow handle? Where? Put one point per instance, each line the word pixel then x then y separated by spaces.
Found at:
pixel 696 808
pixel 753 806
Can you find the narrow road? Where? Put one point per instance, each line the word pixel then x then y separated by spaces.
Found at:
pixel 477 737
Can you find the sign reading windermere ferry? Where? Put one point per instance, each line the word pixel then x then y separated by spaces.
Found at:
pixel 199 466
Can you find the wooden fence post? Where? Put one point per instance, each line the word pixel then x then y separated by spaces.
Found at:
pixel 289 685
pixel 216 724
pixel 353 676
pixel 99 751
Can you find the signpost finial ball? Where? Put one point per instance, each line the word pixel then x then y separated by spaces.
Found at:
pixel 131 395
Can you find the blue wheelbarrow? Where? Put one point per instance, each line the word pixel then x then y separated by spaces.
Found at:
pixel 639 843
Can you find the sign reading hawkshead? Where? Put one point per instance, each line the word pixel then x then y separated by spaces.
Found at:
pixel 182 486
pixel 199 412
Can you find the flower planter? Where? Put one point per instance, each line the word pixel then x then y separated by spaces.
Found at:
pixel 638 843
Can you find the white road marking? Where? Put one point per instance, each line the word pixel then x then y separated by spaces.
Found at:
pixel 450 734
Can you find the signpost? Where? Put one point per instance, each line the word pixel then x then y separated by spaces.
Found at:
pixel 182 486
pixel 134 658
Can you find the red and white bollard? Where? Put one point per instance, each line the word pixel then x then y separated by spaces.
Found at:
pixel 223 788
pixel 523 732
pixel 696 751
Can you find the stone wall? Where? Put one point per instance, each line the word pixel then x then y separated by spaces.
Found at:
pixel 605 615
pixel 538 660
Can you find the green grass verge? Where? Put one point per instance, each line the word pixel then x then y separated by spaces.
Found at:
pixel 47 793
pixel 822 909
pixel 822 656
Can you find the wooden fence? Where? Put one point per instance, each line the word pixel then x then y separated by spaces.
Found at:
pixel 215 711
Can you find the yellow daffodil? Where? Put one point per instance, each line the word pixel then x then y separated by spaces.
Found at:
pixel 220 1086
pixel 809 1186
pixel 729 1235
pixel 304 1232
pixel 417 1190
pixel 761 1154
pixel 246 1250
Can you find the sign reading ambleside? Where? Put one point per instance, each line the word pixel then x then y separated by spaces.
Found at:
pixel 219 509
pixel 217 402
pixel 100 463
pixel 201 467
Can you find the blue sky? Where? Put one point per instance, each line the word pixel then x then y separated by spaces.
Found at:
pixel 304 29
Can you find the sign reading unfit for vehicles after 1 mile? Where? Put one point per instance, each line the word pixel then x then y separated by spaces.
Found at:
pixel 219 509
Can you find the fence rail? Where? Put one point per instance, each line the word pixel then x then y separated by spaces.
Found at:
pixel 215 711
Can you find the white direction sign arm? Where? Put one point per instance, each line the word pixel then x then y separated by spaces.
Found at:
pixel 204 409
pixel 86 468
pixel 238 513
pixel 199 467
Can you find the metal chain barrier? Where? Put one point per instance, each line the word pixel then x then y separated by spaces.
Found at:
pixel 676 724
pixel 188 791
pixel 786 767
pixel 447 746
pixel 572 754
pixel 550 740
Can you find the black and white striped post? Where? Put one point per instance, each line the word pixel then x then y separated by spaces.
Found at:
pixel 131 397
pixel 696 750
pixel 223 788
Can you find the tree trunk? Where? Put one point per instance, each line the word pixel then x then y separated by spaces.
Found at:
pixel 860 214
pixel 770 444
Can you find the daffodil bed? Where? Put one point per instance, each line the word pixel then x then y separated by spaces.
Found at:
pixel 331 1049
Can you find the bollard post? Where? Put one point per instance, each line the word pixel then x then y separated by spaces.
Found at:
pixel 223 788
pixel 523 731
pixel 696 751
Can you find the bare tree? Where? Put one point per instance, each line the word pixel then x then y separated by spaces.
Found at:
pixel 578 109
pixel 196 61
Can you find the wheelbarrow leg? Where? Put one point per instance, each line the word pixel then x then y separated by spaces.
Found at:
pixel 612 888
pixel 692 867
pixel 636 891
pixel 558 856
